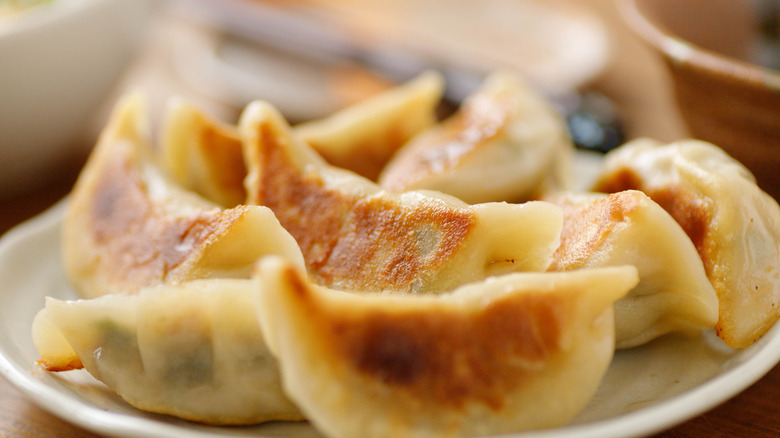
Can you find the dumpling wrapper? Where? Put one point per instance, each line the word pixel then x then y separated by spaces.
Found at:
pixel 506 143
pixel 516 352
pixel 354 236
pixel 364 136
pixel 128 226
pixel 734 225
pixel 628 228
pixel 193 350
pixel 202 154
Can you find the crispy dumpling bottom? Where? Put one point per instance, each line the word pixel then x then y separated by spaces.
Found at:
pixel 516 352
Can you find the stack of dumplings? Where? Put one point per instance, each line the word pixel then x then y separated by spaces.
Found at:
pixel 382 273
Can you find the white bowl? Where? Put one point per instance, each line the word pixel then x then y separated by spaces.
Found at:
pixel 58 62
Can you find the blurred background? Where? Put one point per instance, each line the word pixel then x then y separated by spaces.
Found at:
pixel 64 63
pixel 312 57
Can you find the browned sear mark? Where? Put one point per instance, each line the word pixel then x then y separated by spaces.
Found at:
pixel 370 242
pixel 451 358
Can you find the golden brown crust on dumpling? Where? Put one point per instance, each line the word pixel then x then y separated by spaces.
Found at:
pixel 734 225
pixel 224 151
pixel 355 236
pixel 415 351
pixel 587 228
pixel 140 242
pixel 375 221
pixel 309 210
pixel 128 226
pixel 342 234
pixel 510 353
pixel 363 137
pixel 505 143
pixel 203 154
pixel 694 214
pixel 691 210
pixel 59 367
pixel 479 121
pixel 673 294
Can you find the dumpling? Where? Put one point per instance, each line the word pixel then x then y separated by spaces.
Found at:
pixel 193 350
pixel 516 352
pixel 628 228
pixel 205 155
pixel 506 143
pixel 355 236
pixel 128 226
pixel 202 154
pixel 363 137
pixel 733 224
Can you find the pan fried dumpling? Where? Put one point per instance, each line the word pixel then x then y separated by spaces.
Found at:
pixel 628 228
pixel 734 225
pixel 515 352
pixel 202 154
pixel 363 137
pixel 128 226
pixel 355 236
pixel 193 350
pixel 506 143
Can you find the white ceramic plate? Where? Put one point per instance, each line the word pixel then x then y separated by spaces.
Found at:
pixel 646 389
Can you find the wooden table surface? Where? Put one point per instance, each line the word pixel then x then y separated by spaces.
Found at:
pixel 640 91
